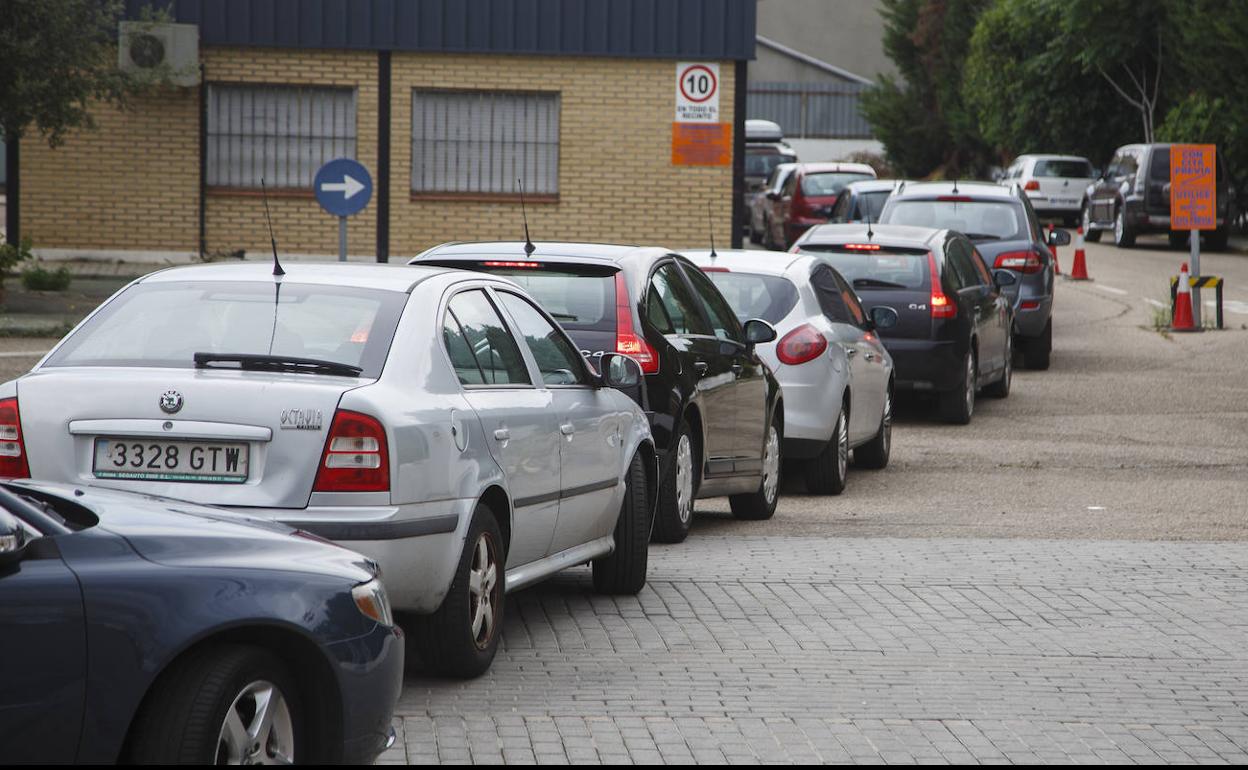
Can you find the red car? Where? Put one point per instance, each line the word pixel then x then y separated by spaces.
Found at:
pixel 807 199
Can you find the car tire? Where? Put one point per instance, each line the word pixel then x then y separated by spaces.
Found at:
pixel 185 717
pixel 1124 233
pixel 446 642
pixel 1001 388
pixel 1217 240
pixel 1037 351
pixel 957 406
pixel 1177 238
pixel 755 236
pixel 761 504
pixel 678 489
pixel 1090 234
pixel 624 571
pixel 827 473
pixel 874 454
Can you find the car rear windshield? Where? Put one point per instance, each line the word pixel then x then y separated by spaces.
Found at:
pixel 164 324
pixel 761 162
pixel 883 269
pixel 977 219
pixel 580 299
pixel 871 204
pixel 750 295
pixel 829 182
pixel 1069 169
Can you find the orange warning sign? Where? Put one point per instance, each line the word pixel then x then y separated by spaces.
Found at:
pixel 1193 187
pixel 701 144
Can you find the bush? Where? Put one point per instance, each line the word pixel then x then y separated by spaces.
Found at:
pixel 11 255
pixel 38 278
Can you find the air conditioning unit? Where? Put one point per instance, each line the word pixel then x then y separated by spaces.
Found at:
pixel 144 47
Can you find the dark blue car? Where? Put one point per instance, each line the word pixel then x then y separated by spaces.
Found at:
pixel 146 630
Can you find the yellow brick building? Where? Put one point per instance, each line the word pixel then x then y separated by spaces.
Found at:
pixel 581 101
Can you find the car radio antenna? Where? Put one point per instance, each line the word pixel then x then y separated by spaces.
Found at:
pixel 277 266
pixel 867 215
pixel 955 185
pixel 529 248
pixel 711 229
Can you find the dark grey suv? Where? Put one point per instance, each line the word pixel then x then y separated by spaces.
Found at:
pixel 1132 198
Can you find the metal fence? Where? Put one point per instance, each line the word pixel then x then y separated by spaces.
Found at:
pixel 810 110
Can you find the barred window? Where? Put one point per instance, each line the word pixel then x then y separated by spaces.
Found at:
pixel 483 141
pixel 281 133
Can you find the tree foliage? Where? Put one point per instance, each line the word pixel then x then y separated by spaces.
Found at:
pixel 921 118
pixel 58 59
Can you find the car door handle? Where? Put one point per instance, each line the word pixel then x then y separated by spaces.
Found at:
pixel 700 367
pixel 869 356
pixel 851 352
pixel 567 429
pixel 502 434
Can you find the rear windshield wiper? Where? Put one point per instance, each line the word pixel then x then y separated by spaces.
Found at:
pixel 255 362
pixel 876 283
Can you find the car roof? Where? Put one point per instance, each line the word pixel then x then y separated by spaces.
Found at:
pixel 363 276
pixel 826 166
pixel 608 253
pixel 873 185
pixel 905 236
pixel 1045 156
pixel 925 190
pixel 750 260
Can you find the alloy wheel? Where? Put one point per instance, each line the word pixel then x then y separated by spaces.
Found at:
pixel 484 590
pixel 771 465
pixel 684 478
pixel 1120 226
pixel 257 729
pixel 887 426
pixel 970 384
pixel 842 445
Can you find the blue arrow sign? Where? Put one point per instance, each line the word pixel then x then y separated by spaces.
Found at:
pixel 343 187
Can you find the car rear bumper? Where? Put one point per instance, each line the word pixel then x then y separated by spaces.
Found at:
pixel 370 676
pixel 925 365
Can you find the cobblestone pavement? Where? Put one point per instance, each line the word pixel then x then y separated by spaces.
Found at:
pixel 797 649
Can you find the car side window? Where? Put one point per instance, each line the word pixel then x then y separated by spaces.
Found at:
pixel 856 314
pixel 558 362
pixel 789 184
pixel 677 301
pixel 723 320
pixel 981 267
pixel 829 293
pixel 958 265
pixel 481 348
pixel 840 212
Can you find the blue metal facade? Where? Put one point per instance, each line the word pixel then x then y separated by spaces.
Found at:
pixel 669 29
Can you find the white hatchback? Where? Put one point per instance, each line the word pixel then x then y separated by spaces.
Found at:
pixel 1054 184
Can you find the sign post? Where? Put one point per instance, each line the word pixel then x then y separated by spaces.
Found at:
pixel 343 187
pixel 1194 201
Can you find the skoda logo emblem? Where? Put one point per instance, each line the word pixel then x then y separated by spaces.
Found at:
pixel 171 402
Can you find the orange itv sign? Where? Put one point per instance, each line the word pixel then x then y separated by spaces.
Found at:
pixel 701 144
pixel 1193 187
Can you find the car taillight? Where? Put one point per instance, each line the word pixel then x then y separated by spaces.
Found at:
pixel 356 458
pixel 803 344
pixel 12 450
pixel 942 306
pixel 1021 261
pixel 1032 185
pixel 627 341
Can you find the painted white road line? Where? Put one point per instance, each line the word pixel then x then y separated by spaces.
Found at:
pixel 1235 306
pixel 1153 302
pixel 1109 289
pixel 23 354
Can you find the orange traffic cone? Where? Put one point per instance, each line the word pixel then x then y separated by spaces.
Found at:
pixel 1182 320
pixel 1057 269
pixel 1079 270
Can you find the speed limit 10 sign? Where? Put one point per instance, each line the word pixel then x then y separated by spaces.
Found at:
pixel 697 92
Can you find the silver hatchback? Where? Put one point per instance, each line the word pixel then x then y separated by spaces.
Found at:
pixel 436 420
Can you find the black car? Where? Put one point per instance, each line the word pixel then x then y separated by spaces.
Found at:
pixel 714 407
pixel 1000 221
pixel 146 630
pixel 862 201
pixel 1132 198
pixel 952 335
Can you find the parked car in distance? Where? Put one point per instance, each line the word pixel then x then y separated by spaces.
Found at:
pixel 763 205
pixel 765 149
pixel 862 201
pixel 836 375
pixel 1132 198
pixel 144 630
pixel 807 198
pixel 1053 183
pixel 952 336
pixel 1002 224
pixel 436 420
pixel 715 409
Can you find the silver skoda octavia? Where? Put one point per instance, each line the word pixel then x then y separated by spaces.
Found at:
pixel 436 420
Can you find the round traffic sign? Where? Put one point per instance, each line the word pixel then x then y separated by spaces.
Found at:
pixel 343 187
pixel 698 83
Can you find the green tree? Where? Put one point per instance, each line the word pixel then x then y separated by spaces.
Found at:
pixel 1029 90
pixel 921 118
pixel 58 60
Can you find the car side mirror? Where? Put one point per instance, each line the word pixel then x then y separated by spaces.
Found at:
pixel 1003 278
pixel 758 331
pixel 1059 238
pixel 883 317
pixel 620 371
pixel 772 195
pixel 13 539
